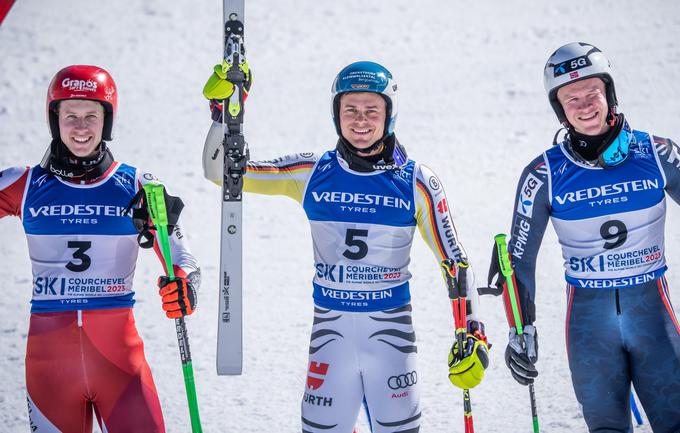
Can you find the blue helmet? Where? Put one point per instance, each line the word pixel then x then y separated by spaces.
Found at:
pixel 366 77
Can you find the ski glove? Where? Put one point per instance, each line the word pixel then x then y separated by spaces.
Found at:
pixel 178 295
pixel 218 88
pixel 519 358
pixel 468 371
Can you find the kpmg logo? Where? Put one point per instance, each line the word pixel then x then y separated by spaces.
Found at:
pixel 361 199
pixel 527 194
pixel 78 210
pixel 608 190
pixel 403 380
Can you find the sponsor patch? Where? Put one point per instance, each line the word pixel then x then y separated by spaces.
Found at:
pixel 527 194
pixel 79 85
pixel 442 207
pixel 569 66
pixel 434 183
pixel 316 374
pixel 403 380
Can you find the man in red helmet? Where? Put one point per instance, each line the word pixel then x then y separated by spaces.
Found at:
pixel 83 350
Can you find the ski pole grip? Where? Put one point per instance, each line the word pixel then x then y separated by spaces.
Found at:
pixel 508 273
pixel 503 256
pixel 158 212
pixel 448 267
pixel 155 197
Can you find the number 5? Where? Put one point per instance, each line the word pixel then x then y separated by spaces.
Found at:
pixel 352 241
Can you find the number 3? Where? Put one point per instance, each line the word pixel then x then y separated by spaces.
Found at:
pixel 79 254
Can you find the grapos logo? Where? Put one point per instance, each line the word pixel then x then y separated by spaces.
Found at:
pixel 79 85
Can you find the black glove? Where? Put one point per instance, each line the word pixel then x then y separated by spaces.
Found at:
pixel 519 358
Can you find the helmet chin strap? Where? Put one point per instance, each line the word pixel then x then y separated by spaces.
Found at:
pixel 63 163
pixel 377 145
pixel 367 163
pixel 611 117
pixel 593 146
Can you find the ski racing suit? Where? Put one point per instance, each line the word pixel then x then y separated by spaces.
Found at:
pixel 83 350
pixel 363 345
pixel 620 324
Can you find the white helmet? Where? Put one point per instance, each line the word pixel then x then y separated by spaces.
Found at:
pixel 573 62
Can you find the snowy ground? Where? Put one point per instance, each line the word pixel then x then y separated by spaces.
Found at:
pixel 472 107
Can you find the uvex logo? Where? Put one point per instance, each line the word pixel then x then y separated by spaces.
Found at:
pixel 316 373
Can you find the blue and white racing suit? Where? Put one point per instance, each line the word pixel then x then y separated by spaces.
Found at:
pixel 621 327
pixel 363 346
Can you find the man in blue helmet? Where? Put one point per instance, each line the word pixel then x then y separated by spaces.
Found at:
pixel 604 188
pixel 364 200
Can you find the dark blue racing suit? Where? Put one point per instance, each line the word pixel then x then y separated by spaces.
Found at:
pixel 621 328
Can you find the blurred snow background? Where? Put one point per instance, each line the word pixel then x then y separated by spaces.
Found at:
pixel 472 107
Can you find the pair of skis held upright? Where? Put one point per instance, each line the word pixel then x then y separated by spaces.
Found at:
pixel 230 342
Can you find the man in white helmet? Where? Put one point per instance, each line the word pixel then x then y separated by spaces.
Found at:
pixel 604 188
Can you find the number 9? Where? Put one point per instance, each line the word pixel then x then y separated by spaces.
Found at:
pixel 617 237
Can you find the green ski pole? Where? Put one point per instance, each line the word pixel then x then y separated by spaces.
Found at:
pixel 508 273
pixel 155 199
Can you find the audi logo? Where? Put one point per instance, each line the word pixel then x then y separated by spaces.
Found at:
pixel 403 380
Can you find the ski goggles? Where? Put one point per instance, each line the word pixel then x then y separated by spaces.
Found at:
pixel 618 150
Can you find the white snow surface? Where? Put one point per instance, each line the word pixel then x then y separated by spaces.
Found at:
pixel 472 107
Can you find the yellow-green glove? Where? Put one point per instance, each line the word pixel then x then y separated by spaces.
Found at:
pixel 468 372
pixel 219 88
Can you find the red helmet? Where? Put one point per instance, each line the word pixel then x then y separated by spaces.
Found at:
pixel 83 82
